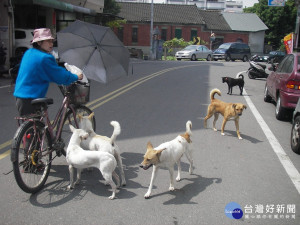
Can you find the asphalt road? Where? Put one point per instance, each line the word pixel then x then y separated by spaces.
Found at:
pixel 153 103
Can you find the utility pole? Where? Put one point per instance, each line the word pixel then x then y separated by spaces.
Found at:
pixel 151 32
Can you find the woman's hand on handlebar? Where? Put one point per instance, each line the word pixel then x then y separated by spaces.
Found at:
pixel 80 76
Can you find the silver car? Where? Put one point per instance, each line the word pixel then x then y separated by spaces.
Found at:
pixel 194 52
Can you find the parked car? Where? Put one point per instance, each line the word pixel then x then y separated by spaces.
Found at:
pixel 232 51
pixel 23 38
pixel 275 56
pixel 272 57
pixel 295 133
pixel 194 52
pixel 283 85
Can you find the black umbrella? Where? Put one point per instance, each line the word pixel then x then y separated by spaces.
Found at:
pixel 94 49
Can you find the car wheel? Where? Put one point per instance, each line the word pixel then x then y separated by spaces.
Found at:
pixel 279 110
pixel 295 137
pixel 178 59
pixel 193 58
pixel 215 59
pixel 245 58
pixel 208 58
pixel 227 58
pixel 267 97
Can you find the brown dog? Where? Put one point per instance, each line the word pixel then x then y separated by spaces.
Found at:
pixel 228 111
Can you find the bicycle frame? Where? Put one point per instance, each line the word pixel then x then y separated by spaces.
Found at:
pixel 44 117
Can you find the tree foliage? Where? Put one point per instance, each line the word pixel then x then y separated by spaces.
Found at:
pixel 111 7
pixel 176 43
pixel 280 20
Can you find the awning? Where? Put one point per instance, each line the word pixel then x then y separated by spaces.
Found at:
pixel 58 5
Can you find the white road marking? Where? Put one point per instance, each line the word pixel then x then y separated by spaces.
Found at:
pixel 283 157
pixel 5 86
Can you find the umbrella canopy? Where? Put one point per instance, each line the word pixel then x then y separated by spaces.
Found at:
pixel 94 49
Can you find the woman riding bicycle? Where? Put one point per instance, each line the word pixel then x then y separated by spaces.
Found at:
pixel 38 68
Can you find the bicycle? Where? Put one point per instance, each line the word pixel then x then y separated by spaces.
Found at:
pixel 37 137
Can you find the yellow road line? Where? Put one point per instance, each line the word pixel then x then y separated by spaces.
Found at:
pixel 113 95
pixel 3 155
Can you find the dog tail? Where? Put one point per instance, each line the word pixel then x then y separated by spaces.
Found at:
pixel 240 75
pixel 116 132
pixel 213 92
pixel 189 127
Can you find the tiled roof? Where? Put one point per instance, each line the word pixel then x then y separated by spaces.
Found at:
pixel 244 22
pixel 163 13
pixel 214 20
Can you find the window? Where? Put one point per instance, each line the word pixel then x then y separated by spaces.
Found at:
pixel 281 65
pixel 205 49
pixel 20 34
pixel 178 33
pixel 193 34
pixel 164 34
pixel 135 34
pixel 288 64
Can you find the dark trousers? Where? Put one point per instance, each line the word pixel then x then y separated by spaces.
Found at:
pixel 24 106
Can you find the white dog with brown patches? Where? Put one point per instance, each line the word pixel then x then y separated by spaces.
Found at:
pixel 97 142
pixel 166 155
pixel 79 158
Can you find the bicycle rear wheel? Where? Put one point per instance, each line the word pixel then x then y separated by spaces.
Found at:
pixel 66 133
pixel 31 156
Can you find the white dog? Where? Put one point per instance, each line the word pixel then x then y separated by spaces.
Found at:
pixel 80 159
pixel 167 154
pixel 97 142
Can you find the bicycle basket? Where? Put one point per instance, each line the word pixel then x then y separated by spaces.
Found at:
pixel 79 93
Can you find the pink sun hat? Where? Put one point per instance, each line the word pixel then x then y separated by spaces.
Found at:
pixel 41 34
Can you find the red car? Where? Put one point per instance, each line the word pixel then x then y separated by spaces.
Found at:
pixel 283 85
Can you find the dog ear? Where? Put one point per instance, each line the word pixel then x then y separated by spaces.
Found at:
pixel 149 145
pixel 233 106
pixel 80 117
pixel 244 106
pixel 71 128
pixel 91 116
pixel 158 152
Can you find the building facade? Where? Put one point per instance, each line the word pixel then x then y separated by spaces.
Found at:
pixel 170 21
pixel 54 14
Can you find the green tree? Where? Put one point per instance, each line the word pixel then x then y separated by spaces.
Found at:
pixel 174 43
pixel 280 20
pixel 111 7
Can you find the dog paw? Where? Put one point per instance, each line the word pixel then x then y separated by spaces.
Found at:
pixel 70 187
pixel 178 179
pixel 77 182
pixel 240 138
pixel 111 197
pixel 171 189
pixel 215 129
pixel 147 195
pixel 222 134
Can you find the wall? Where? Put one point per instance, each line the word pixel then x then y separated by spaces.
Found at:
pixel 144 35
pixel 5 31
pixel 256 42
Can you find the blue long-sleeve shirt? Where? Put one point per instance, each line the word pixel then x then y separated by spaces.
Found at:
pixel 36 71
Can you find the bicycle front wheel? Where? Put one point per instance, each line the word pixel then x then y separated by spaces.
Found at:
pixel 31 156
pixel 73 119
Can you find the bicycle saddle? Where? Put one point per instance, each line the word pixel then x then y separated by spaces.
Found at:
pixel 42 101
